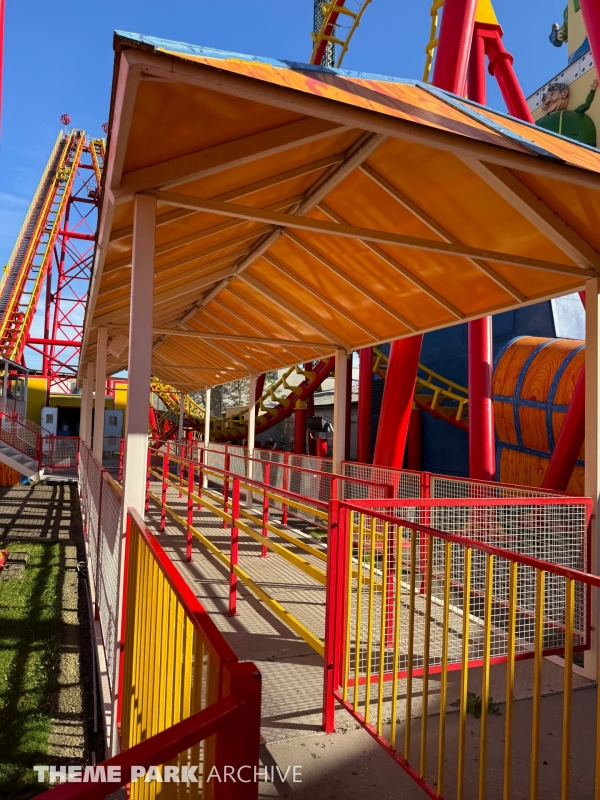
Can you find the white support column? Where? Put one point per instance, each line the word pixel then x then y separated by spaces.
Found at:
pixel 181 415
pixel 138 393
pixel 140 354
pixel 339 410
pixel 206 433
pixel 592 452
pixel 100 393
pixel 251 422
pixel 88 403
pixel 85 414
pixel 207 418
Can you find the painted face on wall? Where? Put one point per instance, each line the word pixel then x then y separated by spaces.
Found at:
pixel 556 98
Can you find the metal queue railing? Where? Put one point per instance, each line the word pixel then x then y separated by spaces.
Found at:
pixel 186 704
pixel 473 603
pixel 186 477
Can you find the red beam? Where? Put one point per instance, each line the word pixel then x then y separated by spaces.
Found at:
pixel 398 394
pixel 570 439
pixel 89 237
pixel 501 67
pixel 56 342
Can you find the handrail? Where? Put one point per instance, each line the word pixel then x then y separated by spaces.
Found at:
pixel 196 612
pixel 158 749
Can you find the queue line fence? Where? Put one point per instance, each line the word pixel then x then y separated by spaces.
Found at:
pixel 470 603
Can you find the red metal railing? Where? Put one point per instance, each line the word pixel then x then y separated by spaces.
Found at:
pixel 472 602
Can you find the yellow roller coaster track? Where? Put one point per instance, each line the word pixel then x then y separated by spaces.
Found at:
pixel 339 34
pixel 235 426
pixel 434 393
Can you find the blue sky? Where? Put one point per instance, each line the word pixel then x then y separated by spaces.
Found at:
pixel 59 58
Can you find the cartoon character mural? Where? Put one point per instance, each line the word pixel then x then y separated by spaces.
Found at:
pixel 574 124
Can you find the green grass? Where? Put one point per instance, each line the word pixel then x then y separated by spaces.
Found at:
pixel 30 628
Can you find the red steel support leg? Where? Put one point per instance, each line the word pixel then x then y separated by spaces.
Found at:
pixel 482 457
pixel 265 518
pixel 300 428
pixel 235 511
pixel 190 513
pixel 163 497
pixel 121 459
pixel 569 442
pixel 201 455
pixel 415 439
pixel 591 17
pixel 501 67
pixel 365 397
pixel 227 462
pixel 397 402
pixel 452 56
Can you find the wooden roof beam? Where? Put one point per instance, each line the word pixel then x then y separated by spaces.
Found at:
pixel 535 211
pixel 421 215
pixel 290 308
pixel 369 235
pixel 222 157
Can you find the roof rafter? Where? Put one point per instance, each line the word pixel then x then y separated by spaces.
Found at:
pixel 369 235
pixel 225 156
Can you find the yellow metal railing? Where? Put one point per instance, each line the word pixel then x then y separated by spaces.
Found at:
pixel 188 478
pixel 433 38
pixel 176 664
pixel 447 601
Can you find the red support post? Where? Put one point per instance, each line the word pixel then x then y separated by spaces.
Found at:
pixel 235 512
pixel 226 465
pixel 397 402
pixel 286 483
pixel 476 77
pixel 163 496
pixel 300 412
pixel 190 512
pixel 482 456
pixel 331 669
pixel 454 46
pixel 265 517
pixel 201 453
pixel 569 442
pixel 148 466
pixel 365 401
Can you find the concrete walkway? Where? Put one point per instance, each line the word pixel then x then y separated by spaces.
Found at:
pixel 349 763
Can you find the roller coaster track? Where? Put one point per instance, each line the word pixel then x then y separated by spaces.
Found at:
pixel 435 394
pixel 333 31
pixel 273 407
pixel 30 260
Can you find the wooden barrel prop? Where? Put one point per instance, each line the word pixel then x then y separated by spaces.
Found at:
pixel 534 380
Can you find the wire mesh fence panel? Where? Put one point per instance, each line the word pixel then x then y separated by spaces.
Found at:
pixel 315 463
pixel 464 604
pixel 107 584
pixel 443 486
pixel 60 452
pixel 21 438
pixel 406 484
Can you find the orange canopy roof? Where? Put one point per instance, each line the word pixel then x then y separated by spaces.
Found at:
pixel 304 209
